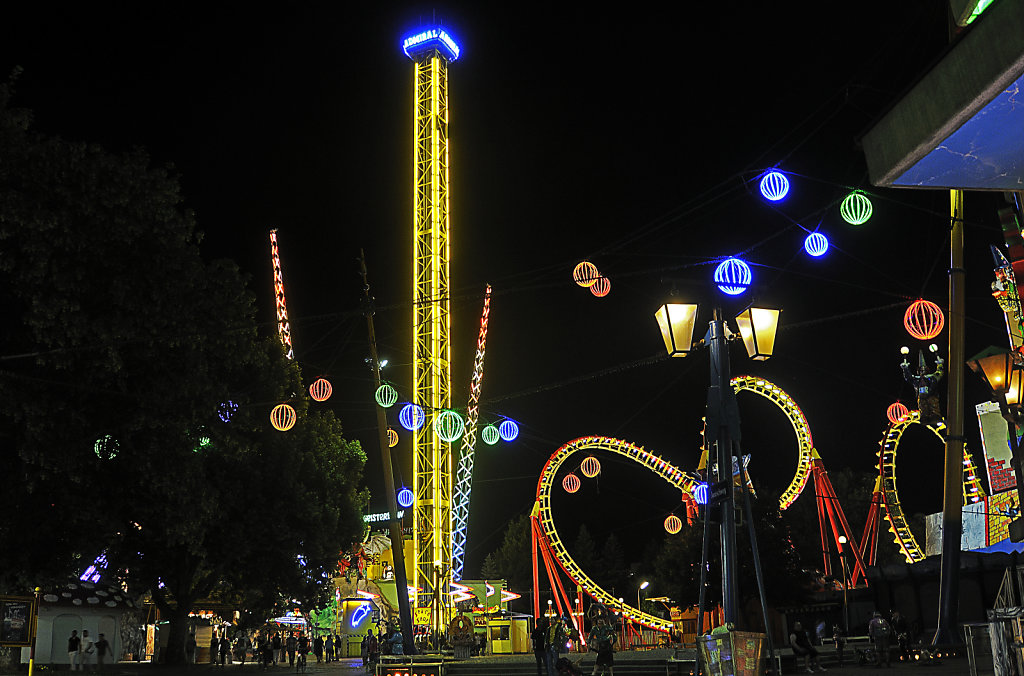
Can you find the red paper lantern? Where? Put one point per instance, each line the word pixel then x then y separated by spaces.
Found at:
pixel 601 287
pixel 320 390
pixel 896 412
pixel 585 273
pixel 673 524
pixel 590 467
pixel 924 320
pixel 282 417
pixel 392 438
pixel 571 483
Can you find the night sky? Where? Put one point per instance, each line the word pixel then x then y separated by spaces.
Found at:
pixel 631 137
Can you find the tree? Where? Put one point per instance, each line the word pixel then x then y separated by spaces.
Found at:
pixel 512 560
pixel 131 347
pixel 584 550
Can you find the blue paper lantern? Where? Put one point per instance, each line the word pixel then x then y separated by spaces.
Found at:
pixel 508 430
pixel 700 494
pixel 732 276
pixel 405 498
pixel 774 186
pixel 412 417
pixel 226 410
pixel 816 244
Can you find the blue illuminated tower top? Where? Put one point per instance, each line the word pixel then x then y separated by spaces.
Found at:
pixel 428 39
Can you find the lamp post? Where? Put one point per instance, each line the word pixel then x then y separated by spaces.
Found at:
pixel 846 586
pixel 643 585
pixel 1002 371
pixel 757 328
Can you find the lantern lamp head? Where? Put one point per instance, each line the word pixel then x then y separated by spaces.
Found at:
pixel 933 348
pixel 676 321
pixel 758 327
pixel 508 430
pixel 904 350
pixel 412 417
pixel 405 498
pixel 732 276
pixel 856 208
pixel 816 244
pixel 774 186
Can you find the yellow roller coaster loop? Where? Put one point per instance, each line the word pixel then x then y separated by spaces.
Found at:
pixel 898 526
pixel 542 512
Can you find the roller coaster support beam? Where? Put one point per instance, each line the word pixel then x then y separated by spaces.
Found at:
pixel 947 631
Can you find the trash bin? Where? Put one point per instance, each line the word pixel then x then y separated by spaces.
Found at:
pixel 736 653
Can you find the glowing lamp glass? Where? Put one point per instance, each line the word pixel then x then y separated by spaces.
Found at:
pixel 320 390
pixel 896 412
pixel 386 396
pixel 676 321
pixel 412 417
pixel 757 328
pixel 508 430
pixel 490 435
pixel 856 208
pixel 924 320
pixel 392 438
pixel 995 365
pixel 590 467
pixel 774 186
pixel 448 426
pixel 816 244
pixel 732 276
pixel 405 498
pixel 571 483
pixel 673 524
pixel 601 287
pixel 283 417
pixel 585 274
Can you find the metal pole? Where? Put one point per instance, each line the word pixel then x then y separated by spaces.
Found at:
pixel 755 552
pixel 952 498
pixel 702 593
pixel 394 525
pixel 723 412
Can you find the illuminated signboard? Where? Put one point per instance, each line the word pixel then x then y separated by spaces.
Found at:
pixel 381 516
pixel 431 38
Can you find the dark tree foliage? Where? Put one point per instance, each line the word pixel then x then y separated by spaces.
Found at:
pixel 119 347
pixel 512 560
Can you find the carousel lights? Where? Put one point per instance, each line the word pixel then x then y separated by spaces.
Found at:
pixel 732 276
pixel 405 498
pixel 816 244
pixel 508 430
pixel 412 417
pixel 774 186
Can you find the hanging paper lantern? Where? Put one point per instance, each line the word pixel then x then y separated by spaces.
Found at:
pixel 700 494
pixel 924 319
pixel 448 425
pixel 508 430
pixel 412 417
pixel 590 467
pixel 386 396
pixel 571 483
pixel 405 498
pixel 673 524
pixel 585 274
pixel 856 208
pixel 774 186
pixel 392 438
pixel 226 410
pixel 490 435
pixel 283 417
pixel 320 390
pixel 601 287
pixel 896 412
pixel 732 276
pixel 106 447
pixel 816 244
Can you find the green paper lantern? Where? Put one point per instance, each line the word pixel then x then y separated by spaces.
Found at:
pixel 386 396
pixel 449 426
pixel 856 208
pixel 490 435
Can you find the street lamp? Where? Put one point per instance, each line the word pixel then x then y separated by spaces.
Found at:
pixel 842 562
pixel 757 328
pixel 1001 371
pixel 643 585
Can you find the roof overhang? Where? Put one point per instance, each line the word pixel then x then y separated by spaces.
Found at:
pixel 962 124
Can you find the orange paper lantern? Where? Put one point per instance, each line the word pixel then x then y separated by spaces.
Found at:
pixel 673 524
pixel 896 412
pixel 585 274
pixel 392 438
pixel 571 483
pixel 282 417
pixel 590 467
pixel 601 287
pixel 320 390
pixel 924 319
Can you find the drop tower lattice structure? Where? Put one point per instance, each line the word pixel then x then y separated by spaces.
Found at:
pixel 431 50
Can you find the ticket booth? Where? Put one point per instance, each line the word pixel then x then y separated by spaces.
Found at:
pixel 499 636
pixel 355 619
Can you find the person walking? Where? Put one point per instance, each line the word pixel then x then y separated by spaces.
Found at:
pixel 602 640
pixel 224 645
pixel 214 647
pixel 290 644
pixel 74 643
pixel 373 650
pixel 318 648
pixel 554 644
pixel 86 649
pixel 801 645
pixel 880 633
pixel 275 643
pixel 103 647
pixel 538 637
